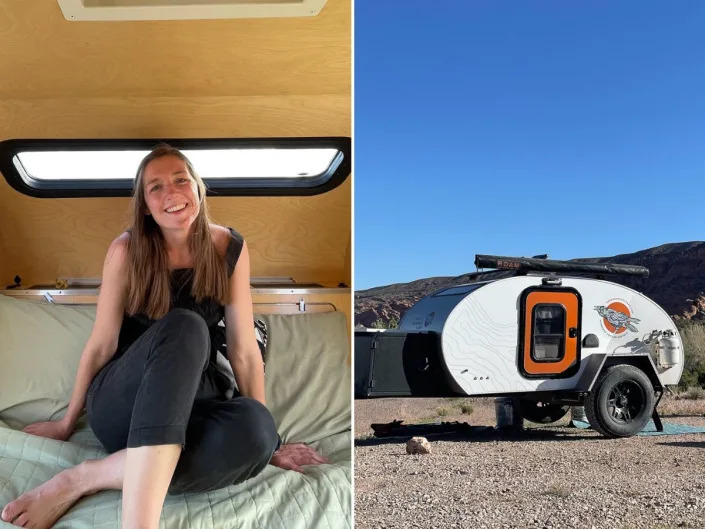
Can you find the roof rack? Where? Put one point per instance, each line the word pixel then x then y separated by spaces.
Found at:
pixel 521 265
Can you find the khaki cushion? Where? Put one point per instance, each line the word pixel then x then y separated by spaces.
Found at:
pixel 40 346
pixel 307 378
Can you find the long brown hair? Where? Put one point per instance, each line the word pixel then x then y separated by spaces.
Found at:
pixel 148 286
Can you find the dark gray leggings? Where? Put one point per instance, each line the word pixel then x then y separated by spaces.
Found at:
pixel 161 391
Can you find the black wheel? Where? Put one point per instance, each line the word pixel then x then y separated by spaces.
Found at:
pixel 621 402
pixel 541 412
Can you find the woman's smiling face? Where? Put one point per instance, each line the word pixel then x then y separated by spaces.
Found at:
pixel 170 192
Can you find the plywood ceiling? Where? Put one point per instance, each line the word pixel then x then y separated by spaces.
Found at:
pixel 42 55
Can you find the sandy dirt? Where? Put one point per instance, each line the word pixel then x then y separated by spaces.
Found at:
pixel 548 476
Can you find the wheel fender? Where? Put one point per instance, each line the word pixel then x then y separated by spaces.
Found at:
pixel 641 361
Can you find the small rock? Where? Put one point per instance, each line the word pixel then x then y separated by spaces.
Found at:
pixel 418 445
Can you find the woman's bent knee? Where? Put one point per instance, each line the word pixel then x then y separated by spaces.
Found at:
pixel 248 433
pixel 185 319
pixel 240 448
pixel 187 332
pixel 258 420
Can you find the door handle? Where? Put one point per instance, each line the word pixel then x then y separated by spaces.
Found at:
pixel 573 332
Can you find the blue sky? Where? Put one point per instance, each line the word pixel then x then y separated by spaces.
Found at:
pixel 575 129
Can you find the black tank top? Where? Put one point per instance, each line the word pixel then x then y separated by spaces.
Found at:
pixel 211 310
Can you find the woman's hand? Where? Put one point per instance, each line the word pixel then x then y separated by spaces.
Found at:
pixel 294 456
pixel 58 430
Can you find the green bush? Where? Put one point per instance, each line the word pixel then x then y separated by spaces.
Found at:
pixel 558 490
pixel 693 336
pixel 442 412
pixel 688 380
pixel 379 323
pixel 466 408
pixel 693 393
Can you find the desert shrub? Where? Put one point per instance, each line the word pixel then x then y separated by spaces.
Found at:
pixel 688 380
pixel 693 393
pixel 693 336
pixel 442 412
pixel 466 408
pixel 558 490
pixel 393 323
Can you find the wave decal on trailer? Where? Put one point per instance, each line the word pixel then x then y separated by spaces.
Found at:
pixel 617 318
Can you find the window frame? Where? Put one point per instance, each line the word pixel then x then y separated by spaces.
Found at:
pixel 335 175
pixel 534 334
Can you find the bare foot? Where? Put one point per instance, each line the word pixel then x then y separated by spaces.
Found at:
pixel 41 507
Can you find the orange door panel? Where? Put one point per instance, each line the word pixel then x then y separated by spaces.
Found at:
pixel 571 335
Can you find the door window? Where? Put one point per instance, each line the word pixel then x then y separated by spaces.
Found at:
pixel 549 333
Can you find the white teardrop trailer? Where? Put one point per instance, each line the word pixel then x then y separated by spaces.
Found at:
pixel 554 334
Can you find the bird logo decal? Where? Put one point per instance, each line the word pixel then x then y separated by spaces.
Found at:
pixel 617 318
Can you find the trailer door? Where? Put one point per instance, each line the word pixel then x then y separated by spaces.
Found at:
pixel 549 332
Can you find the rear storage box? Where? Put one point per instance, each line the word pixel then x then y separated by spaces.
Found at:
pixel 398 364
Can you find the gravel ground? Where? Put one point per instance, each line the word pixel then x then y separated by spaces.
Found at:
pixel 549 477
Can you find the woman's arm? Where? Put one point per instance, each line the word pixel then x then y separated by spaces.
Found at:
pixel 243 353
pixel 102 343
pixel 246 360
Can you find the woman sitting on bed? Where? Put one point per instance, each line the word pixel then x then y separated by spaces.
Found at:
pixel 147 375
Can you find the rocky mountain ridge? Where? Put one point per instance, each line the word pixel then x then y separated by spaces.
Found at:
pixel 676 282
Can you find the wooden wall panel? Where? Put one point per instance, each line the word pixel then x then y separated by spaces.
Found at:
pixel 347 262
pixel 222 78
pixel 189 117
pixel 296 237
pixel 301 237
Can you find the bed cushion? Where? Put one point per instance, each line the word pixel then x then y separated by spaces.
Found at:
pixel 307 380
pixel 321 498
pixel 40 346
pixel 308 376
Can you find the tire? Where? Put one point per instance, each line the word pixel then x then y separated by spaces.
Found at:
pixel 541 412
pixel 621 402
